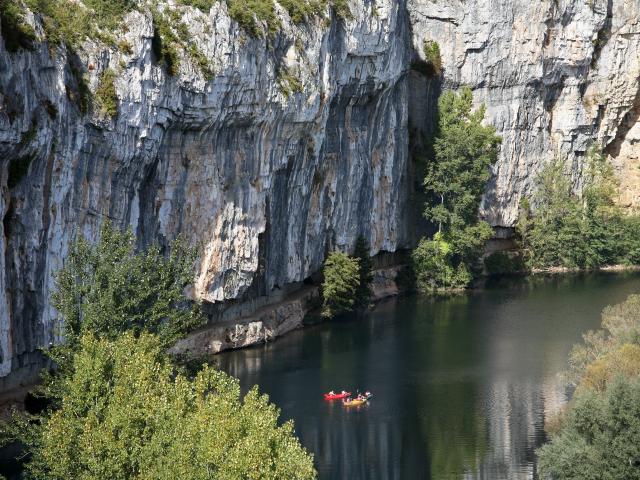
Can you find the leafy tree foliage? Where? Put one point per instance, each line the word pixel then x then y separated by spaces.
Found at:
pixel 600 438
pixel 501 263
pixel 620 327
pixel 117 407
pixel 363 292
pixel 463 152
pixel 341 282
pixel 108 288
pixel 585 230
pixel 127 414
pixel 433 264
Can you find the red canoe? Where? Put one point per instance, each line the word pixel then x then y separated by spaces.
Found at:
pixel 336 396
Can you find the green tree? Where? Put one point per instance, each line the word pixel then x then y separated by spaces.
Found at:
pixel 598 434
pixel 463 152
pixel 600 438
pixel 553 234
pixel 433 264
pixel 562 227
pixel 127 414
pixel 464 149
pixel 363 293
pixel 109 288
pixel 341 282
pixel 118 409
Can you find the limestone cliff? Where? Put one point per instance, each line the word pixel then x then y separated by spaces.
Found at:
pixel 266 178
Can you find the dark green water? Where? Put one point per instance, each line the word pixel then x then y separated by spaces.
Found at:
pixel 462 386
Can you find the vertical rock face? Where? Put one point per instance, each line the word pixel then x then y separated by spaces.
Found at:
pixel 265 178
pixel 555 75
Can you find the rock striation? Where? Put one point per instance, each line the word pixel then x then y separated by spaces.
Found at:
pixel 266 179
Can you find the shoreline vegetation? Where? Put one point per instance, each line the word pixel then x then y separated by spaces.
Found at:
pixel 597 434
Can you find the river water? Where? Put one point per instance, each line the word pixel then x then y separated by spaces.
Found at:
pixel 461 385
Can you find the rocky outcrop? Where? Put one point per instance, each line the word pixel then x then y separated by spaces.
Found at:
pixel 555 75
pixel 265 179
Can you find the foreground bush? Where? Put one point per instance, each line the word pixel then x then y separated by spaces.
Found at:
pixel 598 434
pixel 117 408
pixel 600 438
pixel 620 327
pixel 126 414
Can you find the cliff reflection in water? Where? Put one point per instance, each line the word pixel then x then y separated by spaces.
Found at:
pixel 462 386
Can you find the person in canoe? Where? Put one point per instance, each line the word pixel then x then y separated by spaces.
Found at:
pixel 335 396
pixel 354 402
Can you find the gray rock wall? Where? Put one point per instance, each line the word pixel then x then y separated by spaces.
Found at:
pixel 266 183
pixel 555 75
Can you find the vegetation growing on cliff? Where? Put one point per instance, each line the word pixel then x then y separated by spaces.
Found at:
pixel 431 51
pixel 599 435
pixel 106 96
pixel 288 82
pixel 463 152
pixel 561 228
pixel 16 32
pixel 118 408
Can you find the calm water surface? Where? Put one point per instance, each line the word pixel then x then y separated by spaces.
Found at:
pixel 462 386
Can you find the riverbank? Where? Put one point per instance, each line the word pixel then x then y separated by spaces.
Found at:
pixel 606 268
pixel 273 320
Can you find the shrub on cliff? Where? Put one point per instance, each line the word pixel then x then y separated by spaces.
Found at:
pixel 106 96
pixel 341 282
pixel 16 32
pixel 127 414
pixel 463 152
pixel 431 51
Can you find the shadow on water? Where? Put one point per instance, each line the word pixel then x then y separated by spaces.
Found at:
pixel 462 385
